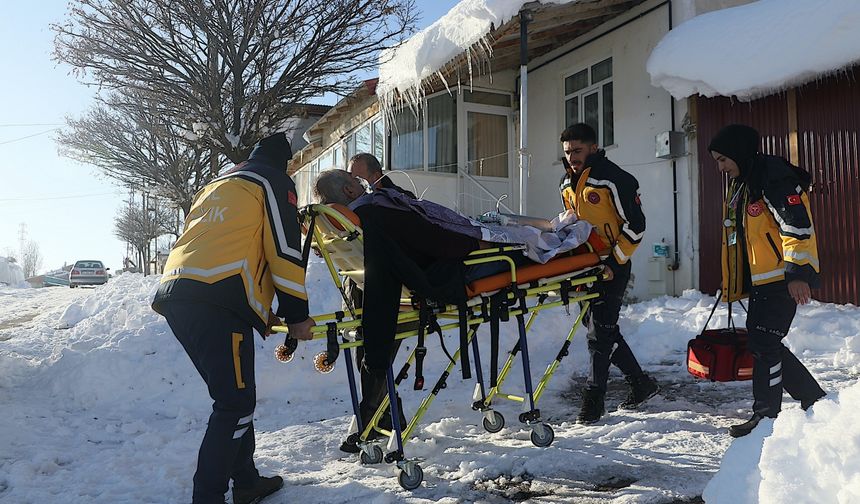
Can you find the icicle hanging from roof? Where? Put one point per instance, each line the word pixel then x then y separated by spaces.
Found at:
pixel 462 36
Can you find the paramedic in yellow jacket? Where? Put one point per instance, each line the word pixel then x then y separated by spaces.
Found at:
pixel 770 254
pixel 240 247
pixel 608 197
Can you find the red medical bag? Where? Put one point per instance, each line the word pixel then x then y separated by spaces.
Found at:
pixel 720 355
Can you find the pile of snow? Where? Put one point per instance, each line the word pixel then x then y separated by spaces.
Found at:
pixel 757 49
pixel 464 29
pixel 115 390
pixel 11 273
pixel 799 457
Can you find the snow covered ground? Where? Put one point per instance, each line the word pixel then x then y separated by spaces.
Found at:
pixel 110 409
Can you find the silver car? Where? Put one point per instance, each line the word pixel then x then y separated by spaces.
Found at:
pixel 88 273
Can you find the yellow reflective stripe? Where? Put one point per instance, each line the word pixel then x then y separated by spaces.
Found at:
pixel 768 274
pixel 237 364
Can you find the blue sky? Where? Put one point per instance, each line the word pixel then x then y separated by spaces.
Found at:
pixel 68 208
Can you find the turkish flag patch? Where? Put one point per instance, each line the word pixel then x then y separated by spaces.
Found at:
pixel 794 199
pixel 637 200
pixel 291 197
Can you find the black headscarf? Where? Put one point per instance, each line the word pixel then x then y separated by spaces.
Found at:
pixel 738 143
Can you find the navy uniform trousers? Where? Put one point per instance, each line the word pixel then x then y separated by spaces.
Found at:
pixel 221 346
pixel 774 366
pixel 606 344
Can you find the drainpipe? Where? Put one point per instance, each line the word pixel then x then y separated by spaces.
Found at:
pixel 677 259
pixel 525 18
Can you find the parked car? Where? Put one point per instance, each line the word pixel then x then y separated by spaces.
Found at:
pixel 88 273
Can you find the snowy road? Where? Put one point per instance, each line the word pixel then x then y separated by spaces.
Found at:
pixel 111 410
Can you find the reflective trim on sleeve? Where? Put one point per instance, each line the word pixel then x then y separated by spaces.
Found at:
pixel 809 231
pixel 206 272
pixel 768 274
pixel 620 253
pixel 800 256
pixel 288 284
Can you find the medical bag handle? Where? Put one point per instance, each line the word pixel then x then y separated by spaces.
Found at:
pixel 714 309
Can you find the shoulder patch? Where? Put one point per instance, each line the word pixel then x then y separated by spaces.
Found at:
pixel 794 199
pixel 291 197
pixel 755 209
pixel 593 198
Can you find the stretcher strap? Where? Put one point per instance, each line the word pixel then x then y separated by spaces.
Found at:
pixel 306 250
pixel 420 350
pixel 497 312
pixel 464 343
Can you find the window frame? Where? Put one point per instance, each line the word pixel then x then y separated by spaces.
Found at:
pixel 592 88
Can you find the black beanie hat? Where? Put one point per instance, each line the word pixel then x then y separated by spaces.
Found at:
pixel 276 148
pixel 737 142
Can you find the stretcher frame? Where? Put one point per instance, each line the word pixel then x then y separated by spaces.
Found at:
pixel 329 228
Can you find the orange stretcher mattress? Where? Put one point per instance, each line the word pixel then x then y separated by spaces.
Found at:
pixel 582 257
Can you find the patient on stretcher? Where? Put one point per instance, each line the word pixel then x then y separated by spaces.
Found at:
pixel 422 245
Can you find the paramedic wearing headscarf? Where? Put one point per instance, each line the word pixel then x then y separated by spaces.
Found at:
pixel 769 253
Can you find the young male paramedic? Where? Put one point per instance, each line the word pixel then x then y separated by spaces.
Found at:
pixel 608 197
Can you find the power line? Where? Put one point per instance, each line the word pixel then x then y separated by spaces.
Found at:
pixel 28 136
pixel 25 125
pixel 69 196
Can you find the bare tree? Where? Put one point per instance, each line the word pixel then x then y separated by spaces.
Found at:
pixel 31 259
pixel 134 146
pixel 229 71
pixel 138 226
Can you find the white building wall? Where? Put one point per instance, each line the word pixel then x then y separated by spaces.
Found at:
pixel 641 111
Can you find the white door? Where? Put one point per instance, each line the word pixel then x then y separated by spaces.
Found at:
pixel 487 174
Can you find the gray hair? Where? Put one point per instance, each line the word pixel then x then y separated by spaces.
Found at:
pixel 329 185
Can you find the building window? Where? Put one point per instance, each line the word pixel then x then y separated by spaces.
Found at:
pixel 407 141
pixel 588 98
pixel 442 133
pixel 379 140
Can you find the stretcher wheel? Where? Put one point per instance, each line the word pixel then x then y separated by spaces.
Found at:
pixel 374 456
pixel 321 363
pixel 283 354
pixel 494 424
pixel 411 482
pixel 542 435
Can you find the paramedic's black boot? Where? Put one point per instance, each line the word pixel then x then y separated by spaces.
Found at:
pixel 805 404
pixel 745 428
pixel 264 487
pixel 592 407
pixel 642 388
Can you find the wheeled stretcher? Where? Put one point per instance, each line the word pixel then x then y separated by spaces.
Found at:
pixel 518 292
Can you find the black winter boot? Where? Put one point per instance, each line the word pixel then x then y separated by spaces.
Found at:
pixel 805 404
pixel 745 428
pixel 642 388
pixel 592 407
pixel 264 487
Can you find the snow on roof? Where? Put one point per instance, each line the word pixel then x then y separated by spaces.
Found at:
pixel 758 48
pixel 463 30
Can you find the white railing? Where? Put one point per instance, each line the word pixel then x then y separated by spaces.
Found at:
pixel 473 199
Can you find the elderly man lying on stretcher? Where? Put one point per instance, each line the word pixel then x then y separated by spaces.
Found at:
pixel 421 245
